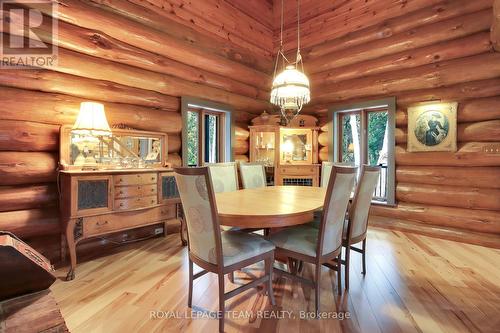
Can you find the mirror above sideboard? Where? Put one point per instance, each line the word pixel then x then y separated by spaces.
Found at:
pixel 123 149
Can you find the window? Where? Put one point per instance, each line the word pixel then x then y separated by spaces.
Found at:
pixel 364 134
pixel 205 132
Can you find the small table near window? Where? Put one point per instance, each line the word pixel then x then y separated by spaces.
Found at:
pixel 269 207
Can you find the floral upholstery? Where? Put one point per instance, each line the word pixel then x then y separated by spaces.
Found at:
pixel 361 206
pixel 197 213
pixel 224 177
pixel 252 175
pixel 326 170
pixel 337 207
pixel 301 239
pixel 238 246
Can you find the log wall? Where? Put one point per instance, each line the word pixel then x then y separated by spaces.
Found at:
pixel 138 60
pixel 417 51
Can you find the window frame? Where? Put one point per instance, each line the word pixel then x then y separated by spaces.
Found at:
pixel 334 127
pixel 225 112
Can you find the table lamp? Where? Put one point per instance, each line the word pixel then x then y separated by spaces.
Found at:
pixel 89 127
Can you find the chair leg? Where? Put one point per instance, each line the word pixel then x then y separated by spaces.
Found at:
pixel 190 292
pixel 269 272
pixel 222 310
pixel 231 277
pixel 317 286
pixel 339 273
pixel 347 266
pixel 364 256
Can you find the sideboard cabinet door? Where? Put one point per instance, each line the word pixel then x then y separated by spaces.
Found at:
pixel 168 188
pixel 91 194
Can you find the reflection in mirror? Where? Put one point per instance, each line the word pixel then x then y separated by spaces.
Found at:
pixel 294 147
pixel 117 150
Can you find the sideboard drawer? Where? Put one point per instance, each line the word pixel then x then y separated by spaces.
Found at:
pixel 297 170
pixel 122 192
pixel 136 179
pixel 96 225
pixel 138 202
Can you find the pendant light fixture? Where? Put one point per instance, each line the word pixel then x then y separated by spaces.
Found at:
pixel 290 90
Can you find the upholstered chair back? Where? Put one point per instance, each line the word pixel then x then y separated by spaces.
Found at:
pixel 200 212
pixel 326 169
pixel 224 176
pixel 334 209
pixel 358 213
pixel 253 175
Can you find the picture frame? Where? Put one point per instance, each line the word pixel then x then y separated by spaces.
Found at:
pixel 432 127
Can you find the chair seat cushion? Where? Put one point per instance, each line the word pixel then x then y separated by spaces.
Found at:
pixel 238 246
pixel 301 239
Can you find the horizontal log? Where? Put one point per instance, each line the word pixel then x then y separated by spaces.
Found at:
pixel 174 159
pixel 174 143
pixel 468 154
pixel 460 92
pixel 217 29
pixel 448 50
pixel 18 168
pixel 419 37
pixel 146 38
pixel 98 44
pixel 90 89
pixel 468 219
pixel 324 139
pixel 450 233
pixel 23 197
pixel 28 136
pixel 241 132
pixel 484 131
pixel 19 104
pixel 386 29
pixel 335 19
pixel 484 177
pixel 480 109
pixel 240 147
pixel 480 67
pixel 31 222
pixel 79 64
pixel 495 27
pixel 323 154
pixel 241 158
pixel 449 196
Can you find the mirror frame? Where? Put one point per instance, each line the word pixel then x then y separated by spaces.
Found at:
pixel 65 143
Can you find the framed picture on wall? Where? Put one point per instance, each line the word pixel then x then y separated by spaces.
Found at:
pixel 432 127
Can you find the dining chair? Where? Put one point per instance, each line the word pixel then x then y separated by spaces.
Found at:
pixel 326 170
pixel 319 246
pixel 216 251
pixel 253 175
pixel 224 176
pixel 357 218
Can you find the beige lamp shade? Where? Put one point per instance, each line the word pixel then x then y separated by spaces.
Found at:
pixel 91 120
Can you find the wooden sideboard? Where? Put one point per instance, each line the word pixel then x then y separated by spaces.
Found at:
pixel 297 175
pixel 99 202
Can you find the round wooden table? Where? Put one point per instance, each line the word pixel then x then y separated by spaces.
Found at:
pixel 269 207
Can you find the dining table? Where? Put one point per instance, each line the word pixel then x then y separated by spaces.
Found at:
pixel 269 207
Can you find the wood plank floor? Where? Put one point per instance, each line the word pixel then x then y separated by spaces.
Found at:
pixel 413 284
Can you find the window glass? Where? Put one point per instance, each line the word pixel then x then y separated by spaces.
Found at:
pixel 351 138
pixel 192 128
pixel 211 138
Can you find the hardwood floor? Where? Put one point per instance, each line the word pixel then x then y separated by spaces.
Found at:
pixel 413 284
